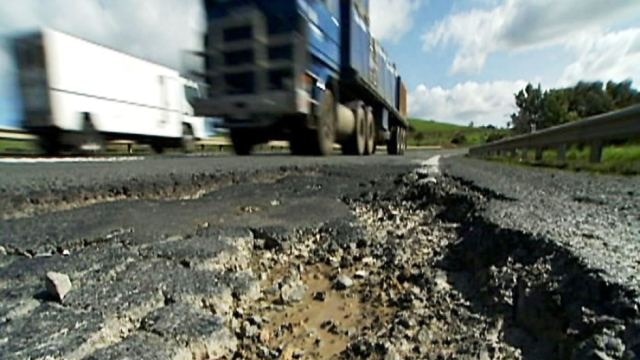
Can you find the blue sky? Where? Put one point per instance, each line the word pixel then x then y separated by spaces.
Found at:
pixel 462 59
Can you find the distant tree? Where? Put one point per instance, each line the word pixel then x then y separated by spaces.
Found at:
pixel 471 124
pixel 529 103
pixel 556 108
pixel 622 94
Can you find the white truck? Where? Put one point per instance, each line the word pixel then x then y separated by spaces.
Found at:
pixel 77 94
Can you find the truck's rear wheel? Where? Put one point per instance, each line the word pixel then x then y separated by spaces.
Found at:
pixel 50 144
pixel 395 143
pixel 370 133
pixel 324 135
pixel 188 141
pixel 355 145
pixel 243 142
pixel 91 141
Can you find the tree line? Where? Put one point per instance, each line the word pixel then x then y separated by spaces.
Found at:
pixel 538 109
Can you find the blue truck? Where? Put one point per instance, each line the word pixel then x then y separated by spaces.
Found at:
pixel 305 71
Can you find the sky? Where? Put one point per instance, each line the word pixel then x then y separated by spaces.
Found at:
pixel 462 60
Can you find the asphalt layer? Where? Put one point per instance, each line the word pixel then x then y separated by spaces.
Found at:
pixel 27 189
pixel 595 216
pixel 272 256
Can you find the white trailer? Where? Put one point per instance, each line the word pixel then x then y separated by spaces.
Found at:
pixel 77 94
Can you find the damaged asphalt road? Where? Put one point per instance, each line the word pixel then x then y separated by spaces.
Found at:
pixel 293 258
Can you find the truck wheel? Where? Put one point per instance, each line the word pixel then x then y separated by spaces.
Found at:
pixel 355 145
pixel 158 147
pixel 370 133
pixel 91 141
pixel 323 137
pixel 50 144
pixel 243 142
pixel 393 145
pixel 188 141
pixel 403 141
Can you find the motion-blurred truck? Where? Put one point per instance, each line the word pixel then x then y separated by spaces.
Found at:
pixel 306 71
pixel 78 95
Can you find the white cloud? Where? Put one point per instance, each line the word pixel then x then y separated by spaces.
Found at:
pixel 521 24
pixel 604 56
pixel 483 103
pixel 157 30
pixel 391 19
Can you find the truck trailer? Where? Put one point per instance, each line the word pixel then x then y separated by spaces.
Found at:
pixel 78 95
pixel 306 71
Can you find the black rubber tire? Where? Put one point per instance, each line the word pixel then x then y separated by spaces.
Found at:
pixel 355 145
pixel 403 142
pixel 188 141
pixel 322 138
pixel 392 143
pixel 158 147
pixel 91 141
pixel 243 142
pixel 50 144
pixel 370 133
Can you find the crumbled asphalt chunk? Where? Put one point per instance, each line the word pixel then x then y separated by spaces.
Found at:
pixel 204 334
pixel 142 346
pixel 343 282
pixel 57 285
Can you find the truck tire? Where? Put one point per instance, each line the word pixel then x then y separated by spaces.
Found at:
pixel 243 142
pixel 324 135
pixel 91 141
pixel 393 145
pixel 370 133
pixel 355 145
pixel 50 144
pixel 188 141
pixel 158 146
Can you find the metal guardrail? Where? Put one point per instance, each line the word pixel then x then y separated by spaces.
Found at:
pixel 596 131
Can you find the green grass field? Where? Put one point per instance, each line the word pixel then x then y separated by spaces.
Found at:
pixel 433 133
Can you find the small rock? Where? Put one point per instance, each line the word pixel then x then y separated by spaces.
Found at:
pixel 255 320
pixel 3 251
pixel 275 202
pixel 343 282
pixel 57 285
pixel 293 292
pixel 320 296
pixel 238 313
pixel 360 274
pixel 66 252
pixel 392 355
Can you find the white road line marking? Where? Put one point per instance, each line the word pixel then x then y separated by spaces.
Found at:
pixel 68 160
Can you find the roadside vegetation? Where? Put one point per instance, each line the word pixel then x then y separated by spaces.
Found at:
pixel 623 159
pixel 538 110
pixel 433 133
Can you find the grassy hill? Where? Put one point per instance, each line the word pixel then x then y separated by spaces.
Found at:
pixel 433 133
